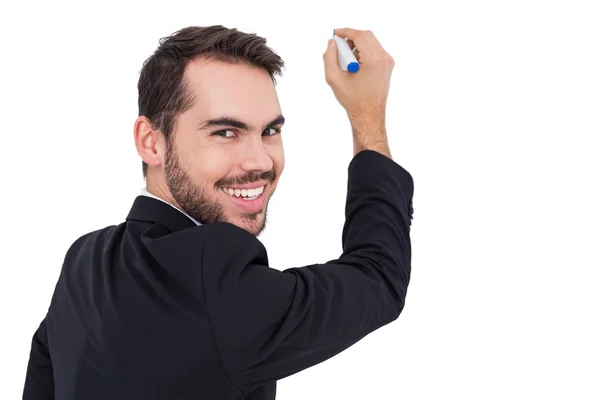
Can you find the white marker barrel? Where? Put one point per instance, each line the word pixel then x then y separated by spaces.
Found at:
pixel 346 57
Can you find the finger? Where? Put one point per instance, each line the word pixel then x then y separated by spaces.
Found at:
pixel 330 58
pixel 362 40
pixel 351 44
pixel 354 50
pixel 349 41
pixel 349 33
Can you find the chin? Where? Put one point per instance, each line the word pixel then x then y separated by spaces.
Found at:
pixel 253 223
pixel 249 216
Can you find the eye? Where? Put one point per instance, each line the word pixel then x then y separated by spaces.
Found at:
pixel 223 133
pixel 276 131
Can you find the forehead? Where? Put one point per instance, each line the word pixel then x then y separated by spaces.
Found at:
pixel 223 89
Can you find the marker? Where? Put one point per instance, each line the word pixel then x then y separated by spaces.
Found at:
pixel 346 57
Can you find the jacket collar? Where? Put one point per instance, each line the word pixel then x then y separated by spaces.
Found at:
pixel 148 209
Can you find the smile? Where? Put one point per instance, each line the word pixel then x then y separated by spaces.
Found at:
pixel 248 199
pixel 246 194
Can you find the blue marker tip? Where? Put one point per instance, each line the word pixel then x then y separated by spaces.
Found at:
pixel 353 67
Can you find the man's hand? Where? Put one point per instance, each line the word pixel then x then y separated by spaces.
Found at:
pixel 363 94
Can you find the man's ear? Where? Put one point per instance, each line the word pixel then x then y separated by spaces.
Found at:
pixel 148 142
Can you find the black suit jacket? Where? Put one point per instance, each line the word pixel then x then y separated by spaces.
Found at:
pixel 160 308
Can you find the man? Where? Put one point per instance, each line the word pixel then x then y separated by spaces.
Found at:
pixel 178 302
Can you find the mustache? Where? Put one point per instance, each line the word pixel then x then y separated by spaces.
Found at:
pixel 248 178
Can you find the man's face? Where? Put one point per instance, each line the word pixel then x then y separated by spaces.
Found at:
pixel 223 171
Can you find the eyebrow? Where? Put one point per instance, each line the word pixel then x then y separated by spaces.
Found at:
pixel 229 121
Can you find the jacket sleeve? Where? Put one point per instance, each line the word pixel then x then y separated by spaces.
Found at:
pixel 39 381
pixel 269 324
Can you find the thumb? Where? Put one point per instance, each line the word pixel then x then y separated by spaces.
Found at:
pixel 330 57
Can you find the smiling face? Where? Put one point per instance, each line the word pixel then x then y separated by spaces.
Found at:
pixel 225 155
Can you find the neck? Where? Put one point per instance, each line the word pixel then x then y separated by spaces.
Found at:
pixel 162 192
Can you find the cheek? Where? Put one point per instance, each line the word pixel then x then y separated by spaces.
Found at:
pixel 277 156
pixel 207 167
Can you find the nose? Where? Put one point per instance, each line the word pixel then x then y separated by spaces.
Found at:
pixel 255 156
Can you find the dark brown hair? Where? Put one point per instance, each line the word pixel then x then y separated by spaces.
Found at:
pixel 162 92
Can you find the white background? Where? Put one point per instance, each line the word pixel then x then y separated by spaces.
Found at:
pixel 494 109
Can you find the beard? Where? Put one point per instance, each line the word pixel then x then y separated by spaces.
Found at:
pixel 197 201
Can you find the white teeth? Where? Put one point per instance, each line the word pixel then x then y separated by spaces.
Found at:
pixel 245 193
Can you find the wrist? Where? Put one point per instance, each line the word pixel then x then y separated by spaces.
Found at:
pixel 369 129
pixel 371 139
pixel 367 119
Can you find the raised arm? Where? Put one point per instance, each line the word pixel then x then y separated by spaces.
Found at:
pixel 269 324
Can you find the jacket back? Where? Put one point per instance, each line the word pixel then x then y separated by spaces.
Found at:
pixel 159 308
